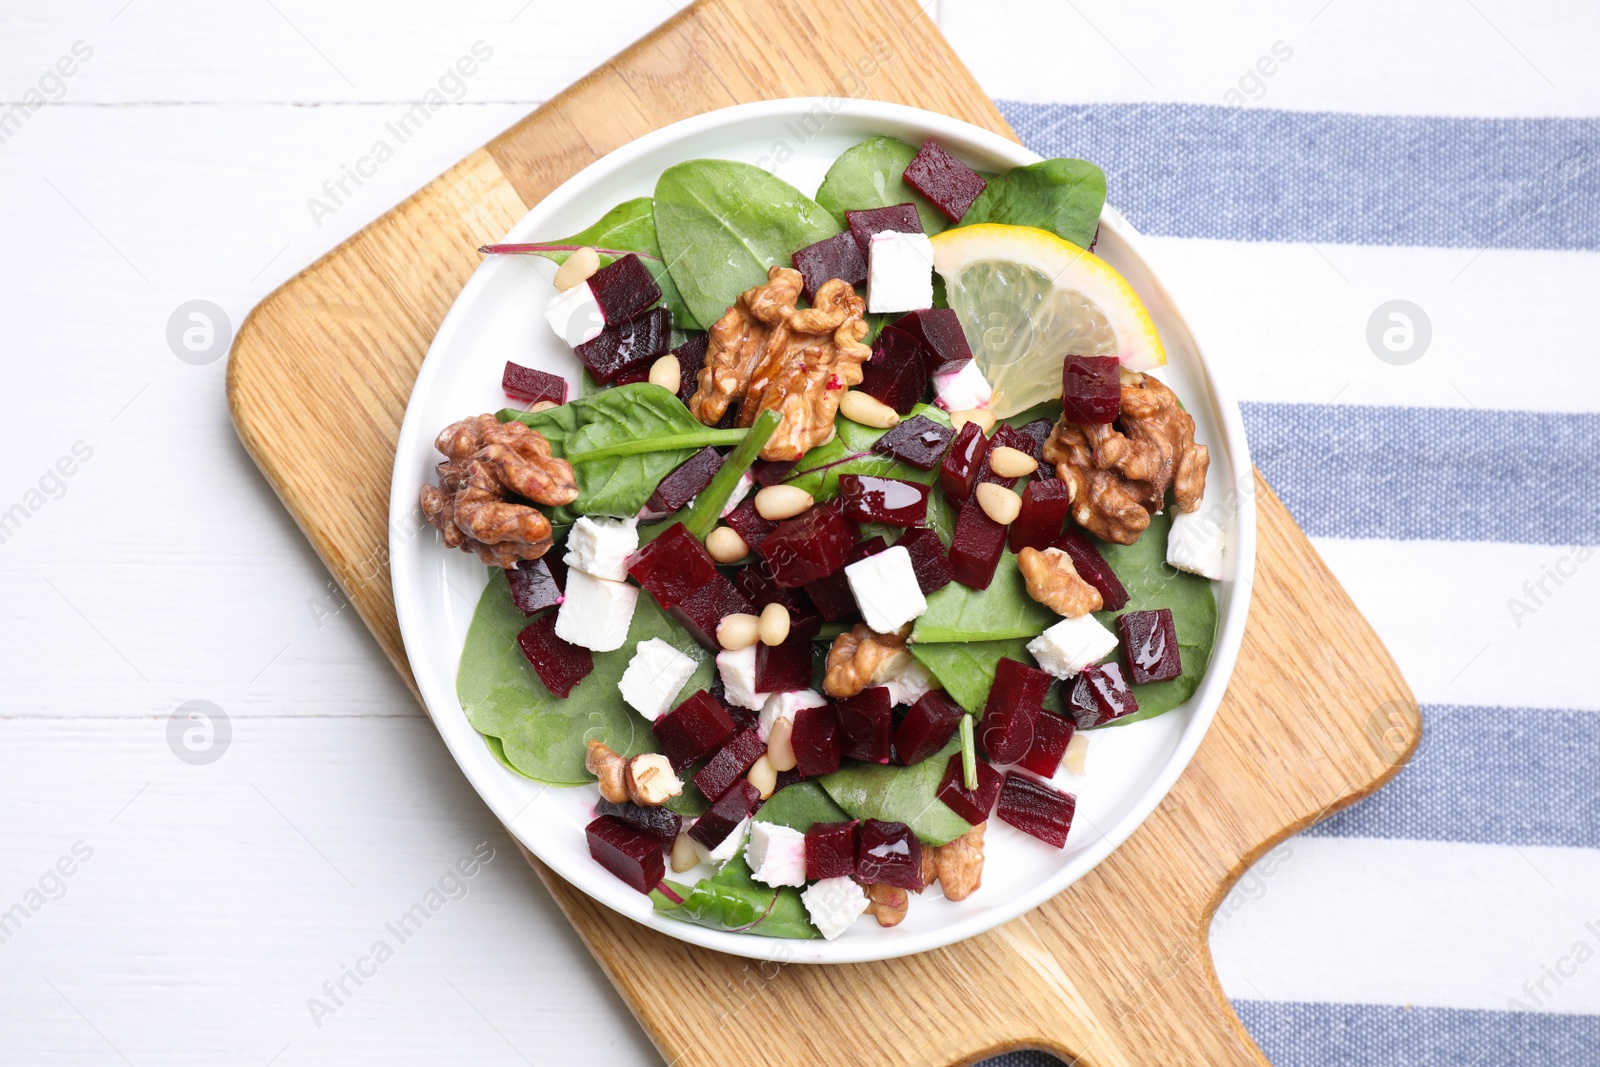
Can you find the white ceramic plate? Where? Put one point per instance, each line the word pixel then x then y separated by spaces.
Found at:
pixel 498 317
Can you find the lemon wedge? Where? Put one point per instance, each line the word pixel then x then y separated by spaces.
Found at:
pixel 1026 298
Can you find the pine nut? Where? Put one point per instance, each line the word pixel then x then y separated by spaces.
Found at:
pixel 982 416
pixel 780 747
pixel 764 776
pixel 1011 462
pixel 774 628
pixel 544 405
pixel 777 502
pixel 683 854
pixel 738 631
pixel 999 503
pixel 726 546
pixel 868 410
pixel 666 373
pixel 1077 751
pixel 577 269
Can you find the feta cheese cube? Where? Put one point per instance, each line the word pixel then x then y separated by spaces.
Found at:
pixel 575 315
pixel 655 674
pixel 740 489
pixel 596 612
pixel 833 904
pixel 601 547
pixel 729 846
pixel 886 589
pixel 899 272
pixel 962 390
pixel 910 684
pixel 738 670
pixel 776 854
pixel 1071 645
pixel 1197 543
pixel 784 706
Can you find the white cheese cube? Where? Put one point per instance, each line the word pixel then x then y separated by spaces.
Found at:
pixel 596 612
pixel 1071 645
pixel 738 670
pixel 655 674
pixel 776 854
pixel 740 489
pixel 899 272
pixel 911 684
pixel 729 846
pixel 886 589
pixel 784 706
pixel 601 547
pixel 962 390
pixel 833 904
pixel 575 315
pixel 1197 543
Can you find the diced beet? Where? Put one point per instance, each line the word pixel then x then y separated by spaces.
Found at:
pixel 831 849
pixel 866 723
pixel 1099 694
pixel 729 810
pixel 624 290
pixel 787 778
pixel 976 548
pixel 972 805
pixel 1038 432
pixel 868 498
pixel 702 611
pixel 947 183
pixel 1043 514
pixel 944 342
pixel 889 854
pixel 815 738
pixel 533 386
pixel 927 727
pixel 730 764
pixel 1091 388
pixel 691 358
pixel 929 561
pixel 895 374
pixel 533 586
pixel 748 523
pixel 832 595
pixel 673 567
pixel 1004 436
pixel 686 480
pixel 1035 808
pixel 1149 646
pixel 837 257
pixel 693 730
pixel 639 372
pixel 767 472
pixel 658 822
pixel 627 852
pixel 1015 701
pixel 784 668
pixel 919 441
pixel 1051 734
pixel 902 218
pixel 809 546
pixel 559 664
pixel 627 346
pixel 958 474
pixel 1093 568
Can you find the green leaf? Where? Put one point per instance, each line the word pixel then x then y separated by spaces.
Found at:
pixel 799 806
pixel 1063 196
pixel 721 224
pixel 850 452
pixel 900 794
pixel 958 613
pixel 734 902
pixel 870 175
pixel 966 671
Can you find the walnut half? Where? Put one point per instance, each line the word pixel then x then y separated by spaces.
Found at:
pixel 956 866
pixel 861 658
pixel 1053 581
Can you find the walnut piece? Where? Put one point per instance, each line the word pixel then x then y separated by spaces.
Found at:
pixel 861 658
pixel 1053 581
pixel 487 460
pixel 1118 474
pixel 888 903
pixel 769 355
pixel 651 781
pixel 611 768
pixel 958 865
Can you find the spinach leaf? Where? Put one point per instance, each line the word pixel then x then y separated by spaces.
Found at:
pixel 800 805
pixel 850 452
pixel 900 794
pixel 958 613
pixel 967 670
pixel 733 901
pixel 1063 196
pixel 721 224
pixel 869 175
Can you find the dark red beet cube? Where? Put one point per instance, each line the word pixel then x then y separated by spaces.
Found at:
pixel 902 218
pixel 1035 808
pixel 767 472
pixel 1044 513
pixel 624 290
pixel 895 374
pixel 1005 436
pixel 1091 388
pixel 972 805
pixel 673 567
pixel 1038 432
pixel 1015 701
pixel 639 372
pixel 559 664
pixel 1099 694
pixel 831 849
pixel 968 455
pixel 927 727
pixel 868 498
pixel 784 668
pixel 691 358
pixel 948 184
pixel 976 548
pixel 1149 646
pixel 1051 733
pixel 837 257
pixel 533 586
pixel 889 854
pixel 694 729
pixel 628 346
pixel 729 810
pixel 730 764
pixel 832 594
pixel 866 724
pixel 658 822
pixel 702 610
pixel 627 852
pixel 918 441
pixel 809 546
pixel 749 524
pixel 944 343
pixel 529 386
pixel 686 480
pixel 817 745
pixel 929 561
pixel 1093 568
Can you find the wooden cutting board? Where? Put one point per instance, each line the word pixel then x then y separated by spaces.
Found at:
pixel 1116 969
